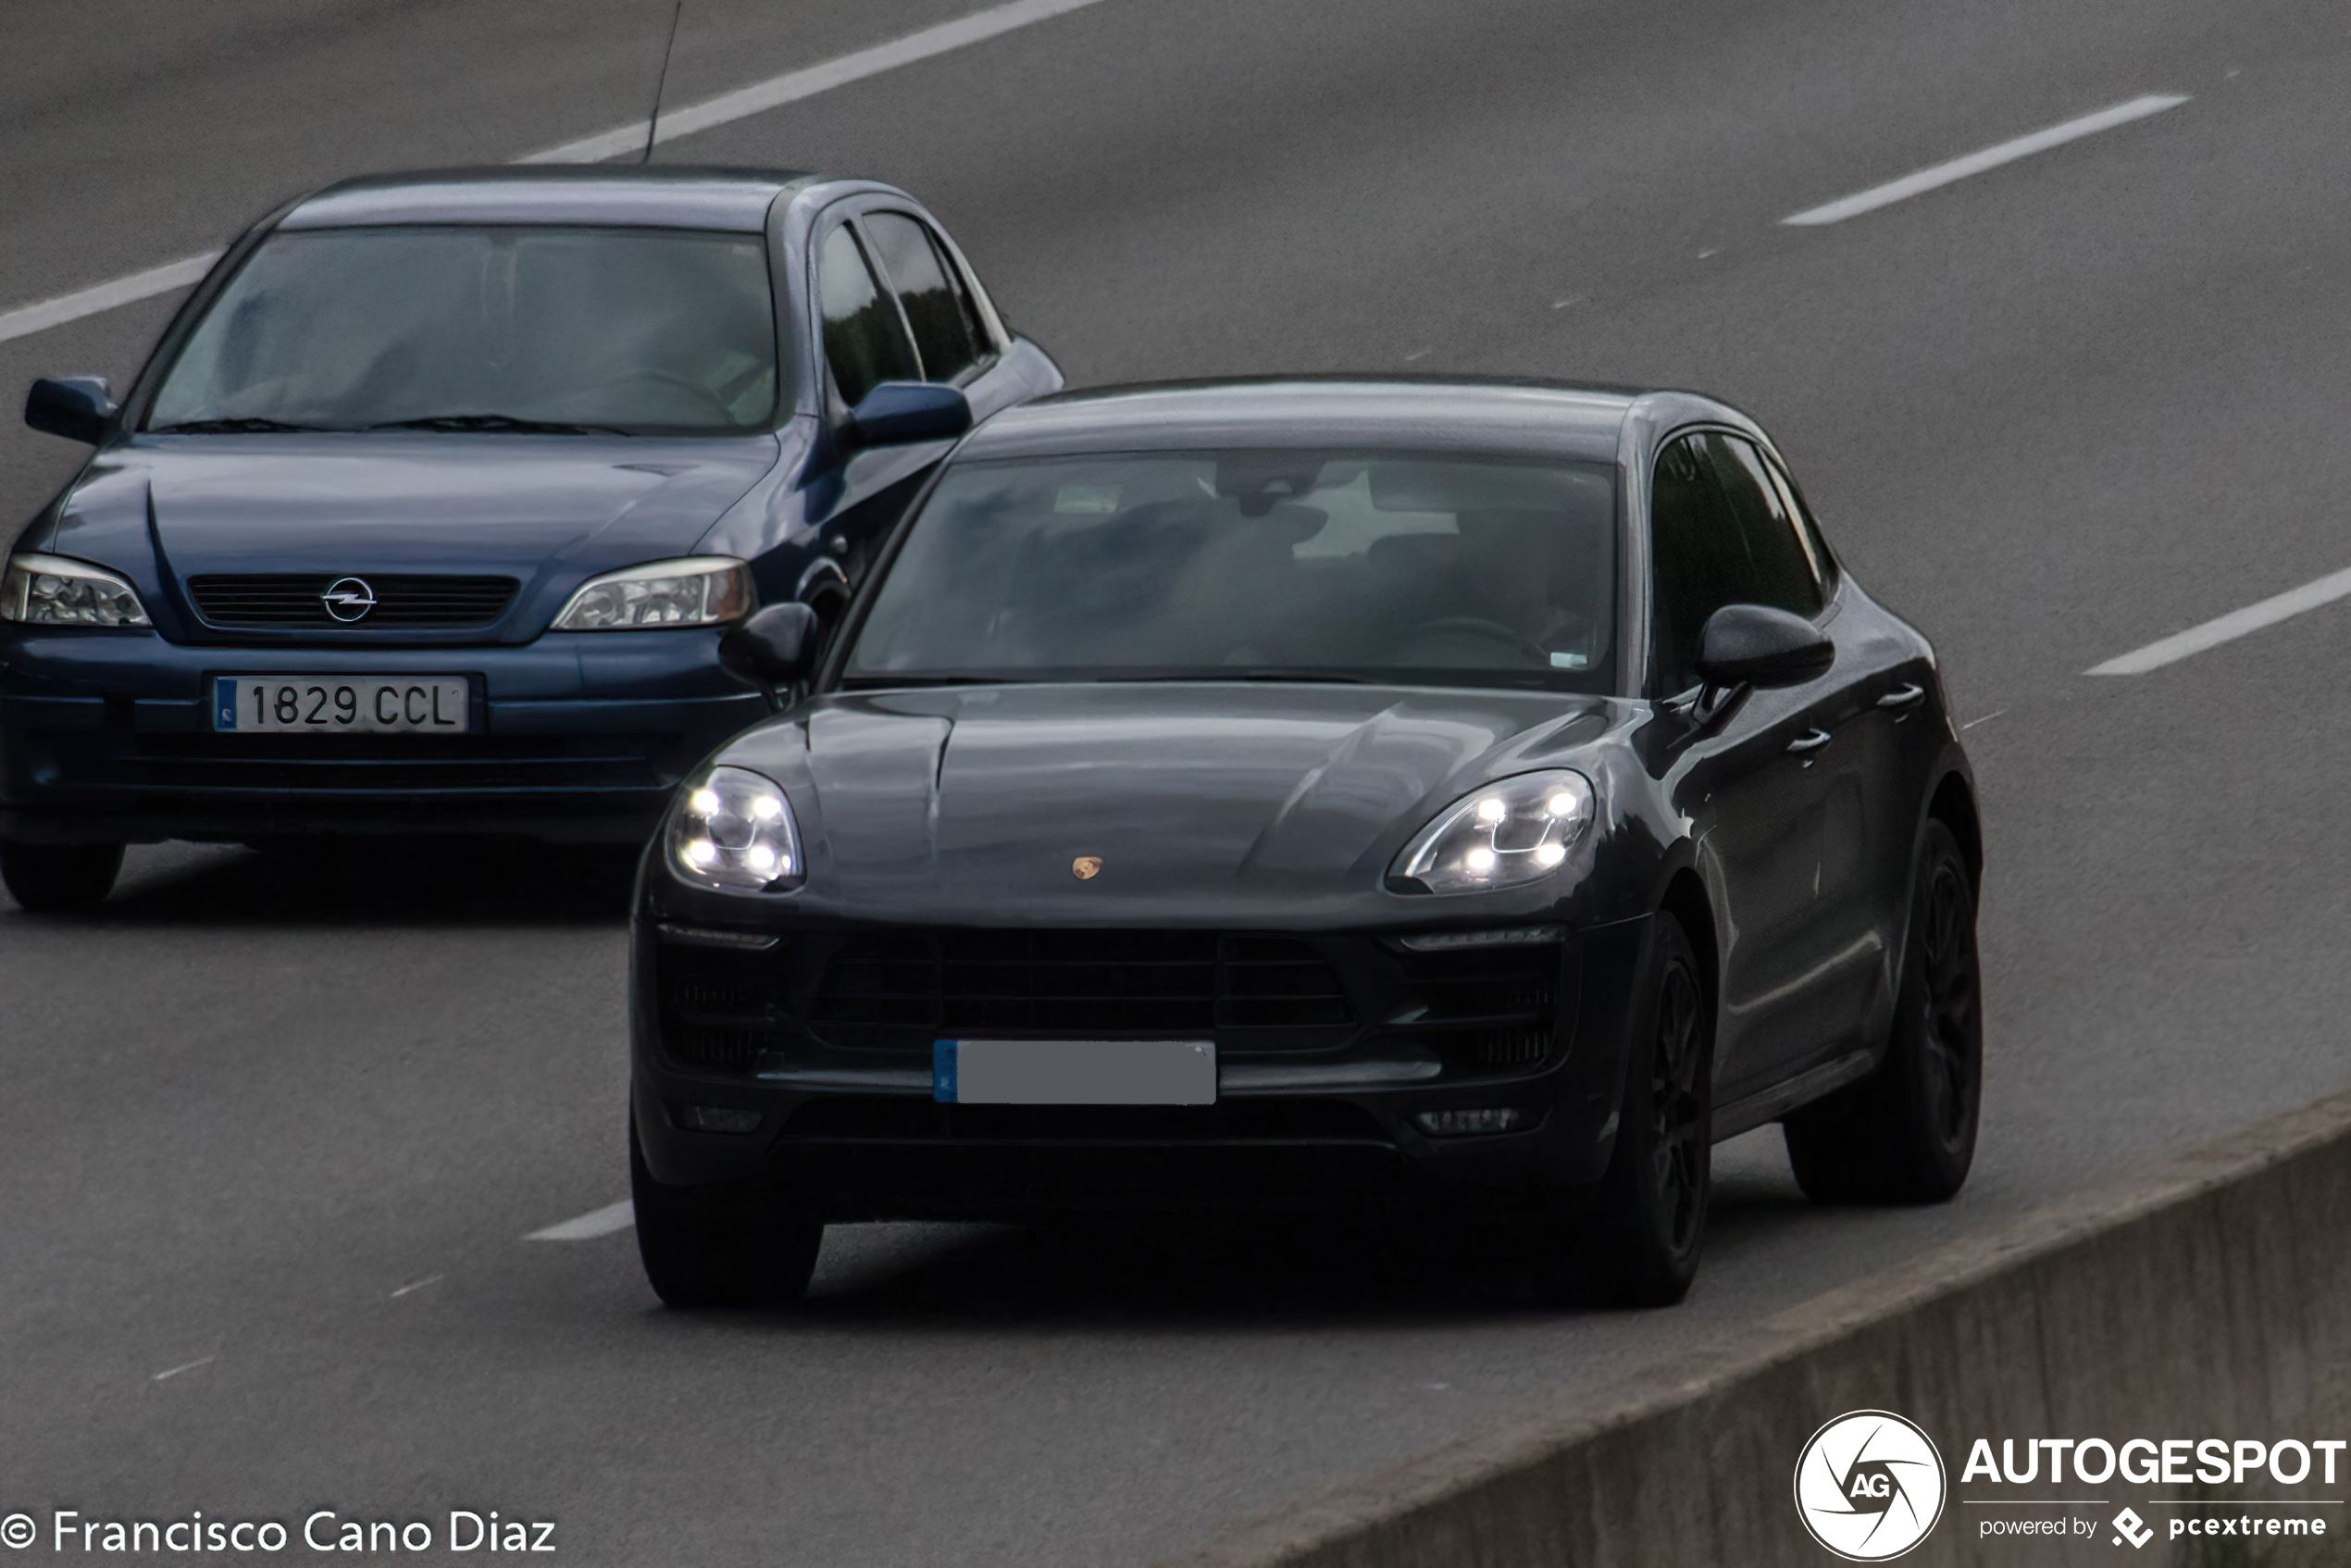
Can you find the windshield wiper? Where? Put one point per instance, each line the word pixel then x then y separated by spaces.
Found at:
pixel 1317 677
pixel 502 422
pixel 228 426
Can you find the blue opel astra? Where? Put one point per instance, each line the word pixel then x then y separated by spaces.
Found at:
pixel 431 508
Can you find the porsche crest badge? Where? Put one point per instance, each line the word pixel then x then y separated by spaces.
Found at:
pixel 1086 867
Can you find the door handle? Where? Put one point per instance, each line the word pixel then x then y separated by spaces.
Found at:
pixel 1811 741
pixel 1903 698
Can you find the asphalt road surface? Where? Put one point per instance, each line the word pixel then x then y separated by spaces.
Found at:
pixel 274 1131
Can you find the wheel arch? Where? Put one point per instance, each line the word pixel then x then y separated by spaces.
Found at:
pixel 1953 804
pixel 1685 899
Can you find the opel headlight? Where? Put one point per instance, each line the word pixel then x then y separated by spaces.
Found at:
pixel 1512 833
pixel 734 831
pixel 699 590
pixel 52 591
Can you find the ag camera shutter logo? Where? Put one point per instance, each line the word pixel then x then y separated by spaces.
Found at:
pixel 1870 1485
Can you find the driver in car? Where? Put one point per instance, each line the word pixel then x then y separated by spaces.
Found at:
pixel 1512 562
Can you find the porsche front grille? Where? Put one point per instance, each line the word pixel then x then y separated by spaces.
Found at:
pixel 1075 982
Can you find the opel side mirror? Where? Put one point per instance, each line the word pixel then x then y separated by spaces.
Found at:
pixel 904 413
pixel 78 407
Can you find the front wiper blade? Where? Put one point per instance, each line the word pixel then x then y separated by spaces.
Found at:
pixel 228 426
pixel 504 422
pixel 1302 676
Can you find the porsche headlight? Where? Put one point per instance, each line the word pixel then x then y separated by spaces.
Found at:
pixel 1512 833
pixel 698 591
pixel 734 831
pixel 52 591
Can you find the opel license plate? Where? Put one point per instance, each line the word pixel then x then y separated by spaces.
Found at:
pixel 342 705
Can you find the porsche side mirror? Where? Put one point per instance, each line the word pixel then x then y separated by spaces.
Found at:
pixel 775 646
pixel 902 413
pixel 1756 645
pixel 76 407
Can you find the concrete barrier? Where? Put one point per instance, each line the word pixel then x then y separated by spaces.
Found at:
pixel 2212 1299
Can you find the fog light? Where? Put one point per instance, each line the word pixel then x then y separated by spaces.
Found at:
pixel 717 1118
pixel 1457 1124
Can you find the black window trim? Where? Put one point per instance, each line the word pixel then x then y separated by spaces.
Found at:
pixel 821 236
pixel 1830 599
pixel 990 350
pixel 1831 570
pixel 880 271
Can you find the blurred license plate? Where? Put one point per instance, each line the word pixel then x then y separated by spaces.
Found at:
pixel 342 705
pixel 1074 1072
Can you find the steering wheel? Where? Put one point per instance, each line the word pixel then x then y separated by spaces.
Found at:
pixel 700 393
pixel 1478 626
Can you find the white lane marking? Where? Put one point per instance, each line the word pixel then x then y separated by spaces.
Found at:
pixel 1943 174
pixel 2229 628
pixel 1986 719
pixel 793 86
pixel 419 1285
pixel 587 1227
pixel 25 320
pixel 759 98
pixel 184 1366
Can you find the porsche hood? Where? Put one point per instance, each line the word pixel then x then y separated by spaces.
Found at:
pixel 947 803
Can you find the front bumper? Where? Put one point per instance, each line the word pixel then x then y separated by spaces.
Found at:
pixel 107 737
pixel 1305 1117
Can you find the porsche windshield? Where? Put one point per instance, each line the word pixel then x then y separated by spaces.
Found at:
pixel 490 328
pixel 1255 564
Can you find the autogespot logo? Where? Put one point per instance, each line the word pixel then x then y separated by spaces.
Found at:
pixel 1869 1486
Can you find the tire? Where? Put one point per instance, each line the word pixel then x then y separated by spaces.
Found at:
pixel 1905 1134
pixel 718 1246
pixel 59 878
pixel 1642 1229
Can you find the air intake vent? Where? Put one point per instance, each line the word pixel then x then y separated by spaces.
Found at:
pixel 1494 1007
pixel 1079 982
pixel 720 1009
pixel 400 602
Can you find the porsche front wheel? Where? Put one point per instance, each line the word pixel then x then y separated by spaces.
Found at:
pixel 718 1246
pixel 1639 1234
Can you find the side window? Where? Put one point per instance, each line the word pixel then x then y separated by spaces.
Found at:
pixel 865 338
pixel 1806 529
pixel 1779 570
pixel 936 305
pixel 1697 561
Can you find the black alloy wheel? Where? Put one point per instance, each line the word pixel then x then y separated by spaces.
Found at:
pixel 720 1246
pixel 1905 1134
pixel 1679 1144
pixel 1950 1033
pixel 1640 1233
